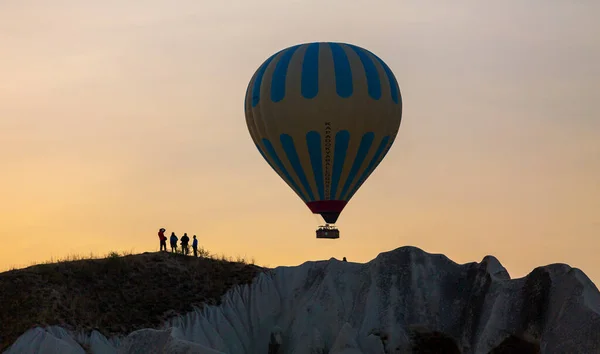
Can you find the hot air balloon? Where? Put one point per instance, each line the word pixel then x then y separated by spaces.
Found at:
pixel 323 115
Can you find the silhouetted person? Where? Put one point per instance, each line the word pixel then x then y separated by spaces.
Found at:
pixel 163 239
pixel 195 246
pixel 184 244
pixel 344 259
pixel 173 242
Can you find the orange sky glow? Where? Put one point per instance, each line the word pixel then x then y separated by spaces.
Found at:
pixel 118 118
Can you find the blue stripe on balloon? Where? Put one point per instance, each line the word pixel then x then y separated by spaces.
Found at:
pixel 371 167
pixel 313 141
pixel 262 153
pixel 343 72
pixel 310 71
pixel 258 80
pixel 391 79
pixel 280 74
pixel 363 150
pixel 273 154
pixel 374 85
pixel 342 138
pixel 290 150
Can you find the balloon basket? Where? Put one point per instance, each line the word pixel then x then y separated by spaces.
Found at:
pixel 328 231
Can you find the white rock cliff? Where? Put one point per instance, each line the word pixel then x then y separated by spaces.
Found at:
pixel 403 301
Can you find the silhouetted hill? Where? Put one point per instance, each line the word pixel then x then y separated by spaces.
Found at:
pixel 114 295
pixel 403 301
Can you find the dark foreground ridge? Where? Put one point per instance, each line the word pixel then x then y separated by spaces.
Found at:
pixel 114 295
pixel 403 301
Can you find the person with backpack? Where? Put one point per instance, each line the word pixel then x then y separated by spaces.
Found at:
pixel 195 246
pixel 184 244
pixel 173 242
pixel 163 239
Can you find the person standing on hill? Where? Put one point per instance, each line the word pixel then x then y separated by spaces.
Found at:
pixel 195 246
pixel 163 239
pixel 173 242
pixel 184 244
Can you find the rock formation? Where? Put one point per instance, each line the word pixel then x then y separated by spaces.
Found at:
pixel 403 301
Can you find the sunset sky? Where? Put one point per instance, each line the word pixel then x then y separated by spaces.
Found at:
pixel 121 117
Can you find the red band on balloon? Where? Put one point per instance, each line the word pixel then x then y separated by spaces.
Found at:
pixel 327 206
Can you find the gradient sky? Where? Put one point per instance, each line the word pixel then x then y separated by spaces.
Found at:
pixel 120 117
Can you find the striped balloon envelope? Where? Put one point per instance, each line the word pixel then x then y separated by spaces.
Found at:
pixel 323 115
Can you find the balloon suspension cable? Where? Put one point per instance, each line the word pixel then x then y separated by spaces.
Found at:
pixel 327 226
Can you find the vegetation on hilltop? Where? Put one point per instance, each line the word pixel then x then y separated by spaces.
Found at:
pixel 116 294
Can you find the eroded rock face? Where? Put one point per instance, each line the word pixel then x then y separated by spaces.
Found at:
pixel 403 301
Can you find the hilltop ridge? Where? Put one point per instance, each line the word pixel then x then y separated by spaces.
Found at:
pixel 403 301
pixel 113 295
